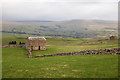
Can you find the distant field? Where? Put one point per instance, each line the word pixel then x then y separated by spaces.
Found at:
pixel 70 28
pixel 16 63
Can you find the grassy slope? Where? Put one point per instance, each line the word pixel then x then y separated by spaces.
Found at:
pixel 57 44
pixel 17 65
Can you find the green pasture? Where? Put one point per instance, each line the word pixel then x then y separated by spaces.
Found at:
pixel 16 64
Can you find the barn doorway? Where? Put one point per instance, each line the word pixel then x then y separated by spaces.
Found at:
pixel 39 47
pixel 31 47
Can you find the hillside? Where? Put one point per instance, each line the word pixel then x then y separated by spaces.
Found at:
pixel 71 28
pixel 16 64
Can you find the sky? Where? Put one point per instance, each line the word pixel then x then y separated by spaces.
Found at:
pixel 59 10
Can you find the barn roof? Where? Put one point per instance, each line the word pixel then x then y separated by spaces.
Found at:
pixel 34 38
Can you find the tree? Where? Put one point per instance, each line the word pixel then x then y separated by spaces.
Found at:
pixel 19 43
pixel 13 42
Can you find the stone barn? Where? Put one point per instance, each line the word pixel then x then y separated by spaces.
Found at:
pixel 112 37
pixel 35 43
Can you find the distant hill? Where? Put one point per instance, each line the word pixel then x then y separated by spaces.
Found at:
pixel 70 28
pixel 35 21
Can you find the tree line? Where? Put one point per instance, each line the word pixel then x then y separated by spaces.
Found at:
pixel 15 42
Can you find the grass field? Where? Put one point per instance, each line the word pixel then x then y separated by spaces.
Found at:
pixel 16 63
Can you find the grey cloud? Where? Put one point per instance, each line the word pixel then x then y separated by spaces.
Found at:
pixel 59 9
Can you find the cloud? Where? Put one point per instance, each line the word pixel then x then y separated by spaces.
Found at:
pixel 57 10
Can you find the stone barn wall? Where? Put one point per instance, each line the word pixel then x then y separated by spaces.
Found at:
pixel 36 43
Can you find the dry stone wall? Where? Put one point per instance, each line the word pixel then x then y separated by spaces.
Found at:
pixel 5 46
pixel 112 51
